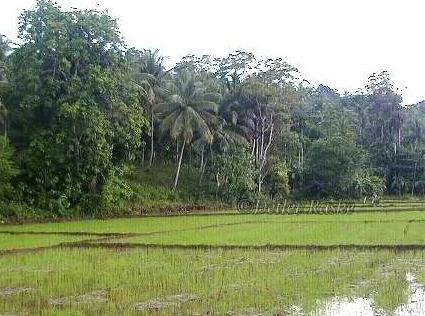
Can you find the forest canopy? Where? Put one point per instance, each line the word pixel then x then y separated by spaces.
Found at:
pixel 78 107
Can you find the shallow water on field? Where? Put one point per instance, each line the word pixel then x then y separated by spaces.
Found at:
pixel 343 306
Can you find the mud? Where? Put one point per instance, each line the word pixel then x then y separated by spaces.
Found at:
pixel 164 302
pixel 100 296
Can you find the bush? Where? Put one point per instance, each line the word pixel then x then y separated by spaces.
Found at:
pixel 115 192
pixel 366 184
pixel 337 167
pixel 234 175
pixel 277 180
pixel 7 169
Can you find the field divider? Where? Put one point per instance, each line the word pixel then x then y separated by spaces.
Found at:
pixel 5 252
pixel 394 247
pixel 302 211
pixel 11 232
pixel 106 237
pixel 129 234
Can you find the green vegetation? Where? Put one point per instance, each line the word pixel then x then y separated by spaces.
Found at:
pixel 110 282
pixel 106 267
pixel 295 233
pixel 13 242
pixel 92 128
pixel 166 223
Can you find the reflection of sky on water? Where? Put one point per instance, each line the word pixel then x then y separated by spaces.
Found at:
pixel 342 306
pixel 416 302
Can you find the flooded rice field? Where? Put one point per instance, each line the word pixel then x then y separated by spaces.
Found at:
pixel 144 281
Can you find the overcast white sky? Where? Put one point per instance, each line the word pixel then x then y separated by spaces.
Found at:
pixel 334 42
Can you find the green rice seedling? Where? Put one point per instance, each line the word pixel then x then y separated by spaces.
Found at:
pixel 326 233
pixel 22 241
pixel 160 224
pixel 197 282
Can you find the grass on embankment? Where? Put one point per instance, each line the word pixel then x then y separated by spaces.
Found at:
pixel 110 282
pixel 24 241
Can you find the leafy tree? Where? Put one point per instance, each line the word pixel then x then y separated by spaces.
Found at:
pixel 330 166
pixel 254 112
pixel 411 157
pixel 8 169
pixel 4 50
pixel 4 112
pixel 384 125
pixel 277 180
pixel 77 109
pixel 336 165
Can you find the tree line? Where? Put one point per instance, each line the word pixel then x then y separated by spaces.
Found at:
pixel 76 105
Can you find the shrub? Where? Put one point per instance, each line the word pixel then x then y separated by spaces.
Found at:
pixel 114 193
pixel 277 180
pixel 234 175
pixel 7 169
pixel 366 184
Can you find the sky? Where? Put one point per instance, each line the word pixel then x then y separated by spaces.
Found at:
pixel 338 43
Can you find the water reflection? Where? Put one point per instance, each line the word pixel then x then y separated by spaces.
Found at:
pixel 416 302
pixel 343 306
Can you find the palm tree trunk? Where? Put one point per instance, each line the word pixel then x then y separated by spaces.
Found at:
pixel 202 159
pixel 414 178
pixel 302 148
pixel 176 179
pixel 151 156
pixel 202 166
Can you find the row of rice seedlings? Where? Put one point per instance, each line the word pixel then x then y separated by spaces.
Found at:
pixel 281 233
pixel 127 225
pixel 162 224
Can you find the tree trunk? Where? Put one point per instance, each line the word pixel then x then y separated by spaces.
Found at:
pixel 176 179
pixel 143 155
pixel 211 153
pixel 202 159
pixel 414 178
pixel 151 156
pixel 260 182
pixel 302 148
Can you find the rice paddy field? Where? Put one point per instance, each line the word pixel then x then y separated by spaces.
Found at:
pixel 364 263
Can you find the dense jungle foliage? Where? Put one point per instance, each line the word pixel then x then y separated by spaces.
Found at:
pixel 88 123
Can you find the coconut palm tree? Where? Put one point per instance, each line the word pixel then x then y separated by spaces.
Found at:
pixel 150 77
pixel 188 112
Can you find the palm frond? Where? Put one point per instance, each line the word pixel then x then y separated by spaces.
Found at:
pixel 204 105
